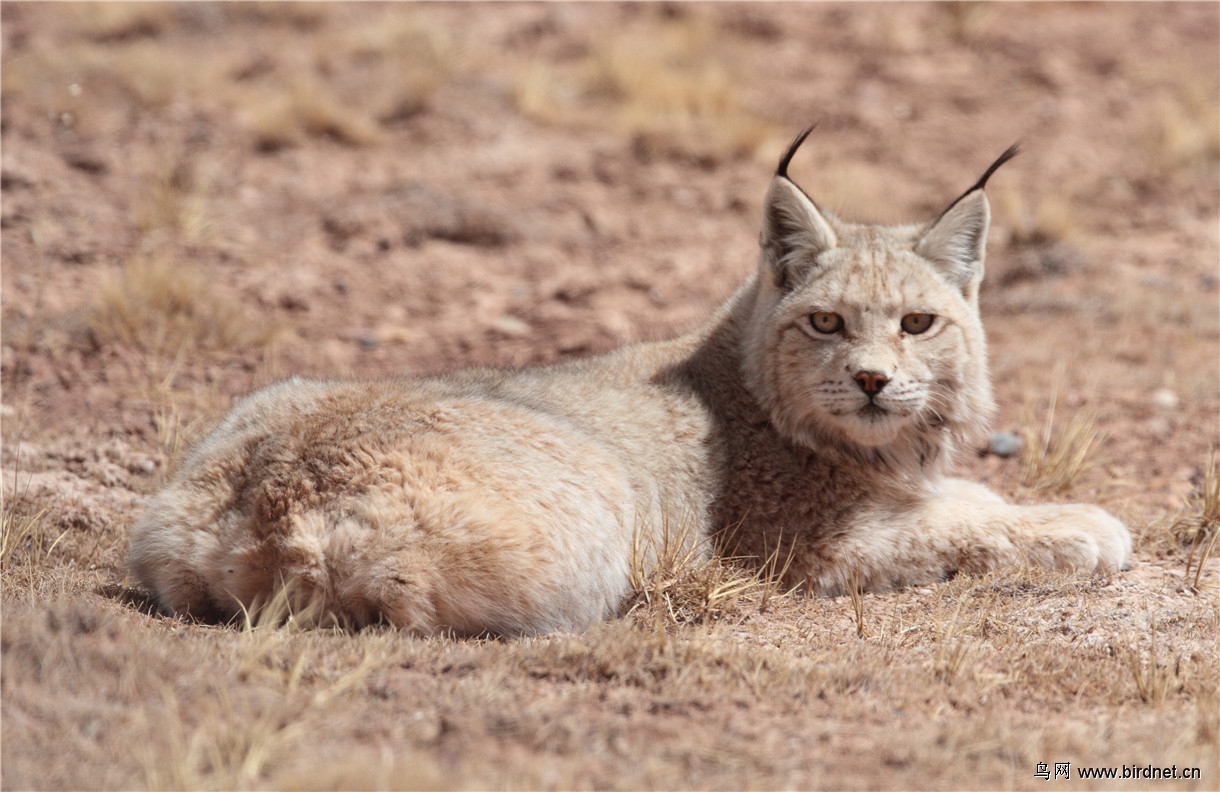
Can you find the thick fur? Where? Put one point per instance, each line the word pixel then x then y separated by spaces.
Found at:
pixel 516 502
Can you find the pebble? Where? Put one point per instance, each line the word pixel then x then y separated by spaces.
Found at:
pixel 511 326
pixel 1005 444
pixel 1165 399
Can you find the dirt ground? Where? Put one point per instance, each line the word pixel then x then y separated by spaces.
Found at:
pixel 199 199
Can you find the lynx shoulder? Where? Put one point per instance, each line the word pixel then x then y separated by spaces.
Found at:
pixel 812 416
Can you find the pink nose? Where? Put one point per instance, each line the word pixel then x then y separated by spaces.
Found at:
pixel 871 382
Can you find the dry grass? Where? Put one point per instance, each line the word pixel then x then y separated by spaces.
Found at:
pixel 1049 216
pixel 677 581
pixel 212 754
pixel 1181 136
pixel 290 679
pixel 665 85
pixel 114 59
pixel 398 65
pixel 671 696
pixel 1058 454
pixel 1200 529
pixel 165 307
pixel 855 592
pixel 175 200
pixel 411 59
pixel 29 537
pixel 113 23
pixel 673 97
pixel 285 117
pixel 25 538
pixel 285 97
pixel 967 20
pixel 951 650
pixel 1153 678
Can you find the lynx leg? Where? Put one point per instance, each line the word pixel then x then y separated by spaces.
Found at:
pixel 965 527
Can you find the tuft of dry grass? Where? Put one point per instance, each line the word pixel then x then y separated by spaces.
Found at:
pixel 665 85
pixel 163 306
pixel 28 536
pixel 23 531
pixel 24 535
pixel 951 649
pixel 677 580
pixel 1057 455
pixel 401 63
pixel 673 97
pixel 175 201
pixel 966 21
pixel 1181 136
pixel 306 108
pixel 410 60
pixel 1153 677
pixel 1201 528
pixel 855 590
pixel 1050 216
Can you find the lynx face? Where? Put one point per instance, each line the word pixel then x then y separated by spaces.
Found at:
pixel 868 337
pixel 874 344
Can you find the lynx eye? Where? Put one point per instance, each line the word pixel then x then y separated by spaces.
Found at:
pixel 826 322
pixel 916 323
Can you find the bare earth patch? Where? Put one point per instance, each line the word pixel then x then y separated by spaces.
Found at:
pixel 199 199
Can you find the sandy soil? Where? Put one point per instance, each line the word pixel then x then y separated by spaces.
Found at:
pixel 200 199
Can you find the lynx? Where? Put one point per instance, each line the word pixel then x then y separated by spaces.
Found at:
pixel 812 418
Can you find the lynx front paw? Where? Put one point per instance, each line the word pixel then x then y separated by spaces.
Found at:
pixel 1079 536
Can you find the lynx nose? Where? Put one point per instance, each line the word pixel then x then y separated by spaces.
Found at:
pixel 871 382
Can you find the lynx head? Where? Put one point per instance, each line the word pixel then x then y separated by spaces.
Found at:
pixel 866 339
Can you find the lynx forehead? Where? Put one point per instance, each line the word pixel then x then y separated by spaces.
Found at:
pixel 812 416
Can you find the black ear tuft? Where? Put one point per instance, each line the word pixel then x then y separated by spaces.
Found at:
pixel 782 170
pixel 1008 154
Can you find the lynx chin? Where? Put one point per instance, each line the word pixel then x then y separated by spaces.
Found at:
pixel 812 416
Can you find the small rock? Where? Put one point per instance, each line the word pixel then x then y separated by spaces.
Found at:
pixel 1005 444
pixel 1165 399
pixel 511 326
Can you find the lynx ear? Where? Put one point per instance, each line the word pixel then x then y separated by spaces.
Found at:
pixel 794 231
pixel 957 239
pixel 955 243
